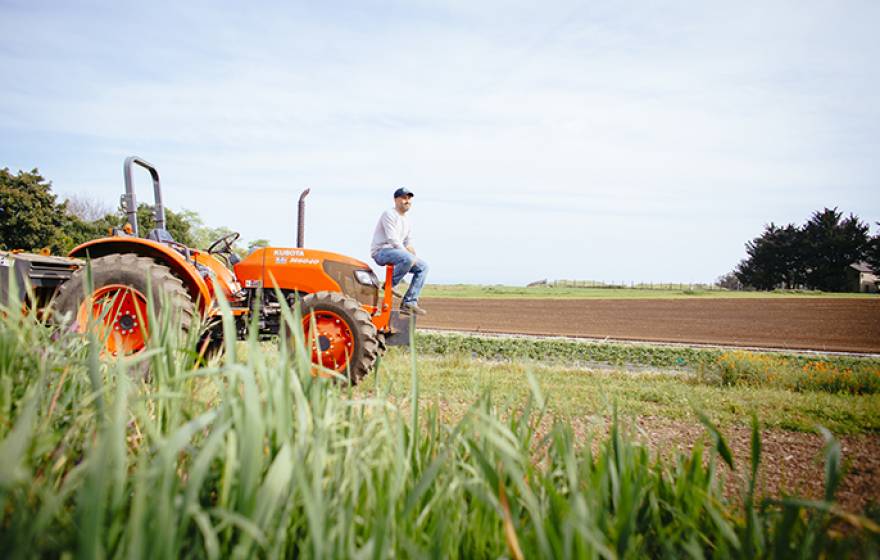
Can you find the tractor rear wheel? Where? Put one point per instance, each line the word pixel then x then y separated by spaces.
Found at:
pixel 122 284
pixel 344 338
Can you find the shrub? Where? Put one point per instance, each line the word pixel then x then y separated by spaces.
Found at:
pixel 794 373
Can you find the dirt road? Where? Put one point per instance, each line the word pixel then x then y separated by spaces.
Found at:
pixel 827 324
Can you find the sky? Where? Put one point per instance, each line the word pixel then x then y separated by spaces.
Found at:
pixel 610 141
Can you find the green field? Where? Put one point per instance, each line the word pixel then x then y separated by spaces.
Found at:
pixel 584 380
pixel 440 453
pixel 479 291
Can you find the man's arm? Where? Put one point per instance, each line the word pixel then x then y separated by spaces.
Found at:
pixel 407 243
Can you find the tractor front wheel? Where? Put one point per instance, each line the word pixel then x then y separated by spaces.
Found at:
pixel 116 301
pixel 339 334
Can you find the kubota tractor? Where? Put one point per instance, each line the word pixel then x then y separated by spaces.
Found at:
pixel 347 317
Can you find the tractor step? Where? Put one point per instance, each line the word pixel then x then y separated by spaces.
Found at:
pixel 400 325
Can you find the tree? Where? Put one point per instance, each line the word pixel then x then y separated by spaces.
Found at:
pixel 88 209
pixel 790 246
pixel 30 218
pixel 774 259
pixel 728 281
pixel 872 251
pixel 79 231
pixel 203 236
pixel 816 255
pixel 89 218
pixel 257 243
pixel 831 244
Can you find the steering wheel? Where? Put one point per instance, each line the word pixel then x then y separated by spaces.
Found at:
pixel 224 244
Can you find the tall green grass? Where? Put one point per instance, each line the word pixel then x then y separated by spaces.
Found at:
pixel 251 456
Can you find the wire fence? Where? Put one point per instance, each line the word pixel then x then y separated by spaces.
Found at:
pixel 631 285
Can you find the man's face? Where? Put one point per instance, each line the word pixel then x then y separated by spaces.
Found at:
pixel 402 203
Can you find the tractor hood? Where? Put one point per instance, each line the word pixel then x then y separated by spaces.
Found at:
pixel 298 257
pixel 307 271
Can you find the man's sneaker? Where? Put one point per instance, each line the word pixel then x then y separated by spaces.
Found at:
pixel 412 309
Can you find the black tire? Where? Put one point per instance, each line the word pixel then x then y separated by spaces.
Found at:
pixel 142 274
pixel 361 333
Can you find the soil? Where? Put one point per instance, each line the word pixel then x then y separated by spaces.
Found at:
pixel 823 324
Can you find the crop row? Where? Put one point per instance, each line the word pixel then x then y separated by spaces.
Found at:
pixel 800 372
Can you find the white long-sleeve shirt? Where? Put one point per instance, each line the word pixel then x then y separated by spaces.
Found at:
pixel 392 232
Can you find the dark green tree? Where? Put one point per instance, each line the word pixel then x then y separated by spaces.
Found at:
pixel 789 242
pixel 79 231
pixel 872 253
pixel 774 259
pixel 831 244
pixel 30 217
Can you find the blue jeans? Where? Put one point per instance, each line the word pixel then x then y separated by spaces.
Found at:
pixel 404 262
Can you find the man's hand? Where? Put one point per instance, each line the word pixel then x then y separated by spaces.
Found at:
pixel 411 249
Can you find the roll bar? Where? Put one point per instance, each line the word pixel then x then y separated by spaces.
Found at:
pixel 129 201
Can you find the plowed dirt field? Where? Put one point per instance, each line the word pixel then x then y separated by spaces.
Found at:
pixel 840 325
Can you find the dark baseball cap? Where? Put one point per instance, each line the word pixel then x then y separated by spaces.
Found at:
pixel 403 191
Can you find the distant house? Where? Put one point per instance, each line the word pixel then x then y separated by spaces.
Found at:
pixel 862 278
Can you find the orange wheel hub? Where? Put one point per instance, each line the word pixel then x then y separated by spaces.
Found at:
pixel 121 315
pixel 332 342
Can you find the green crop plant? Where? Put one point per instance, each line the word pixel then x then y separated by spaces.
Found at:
pixel 251 456
pixel 800 372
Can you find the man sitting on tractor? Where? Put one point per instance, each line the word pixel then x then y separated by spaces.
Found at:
pixel 392 244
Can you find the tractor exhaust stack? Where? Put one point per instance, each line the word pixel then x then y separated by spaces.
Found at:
pixel 301 218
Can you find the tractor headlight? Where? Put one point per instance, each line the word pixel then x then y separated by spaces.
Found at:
pixel 366 277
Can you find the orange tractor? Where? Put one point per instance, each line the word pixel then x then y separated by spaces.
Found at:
pixel 348 318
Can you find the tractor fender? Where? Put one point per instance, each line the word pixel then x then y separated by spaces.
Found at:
pixel 159 252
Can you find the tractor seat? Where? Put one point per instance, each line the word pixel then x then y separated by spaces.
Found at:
pixel 160 235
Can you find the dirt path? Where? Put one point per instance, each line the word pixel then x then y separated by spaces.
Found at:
pixel 841 325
